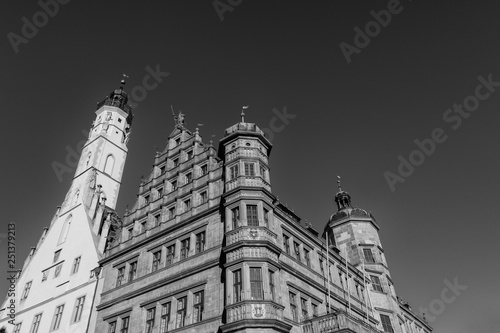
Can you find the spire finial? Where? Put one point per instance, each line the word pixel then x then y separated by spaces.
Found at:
pixel 124 80
pixel 243 108
pixel 338 183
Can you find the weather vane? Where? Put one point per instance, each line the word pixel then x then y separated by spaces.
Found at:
pixel 123 81
pixel 179 119
pixel 243 108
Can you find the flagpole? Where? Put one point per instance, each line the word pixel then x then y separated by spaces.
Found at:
pixel 366 289
pixel 347 281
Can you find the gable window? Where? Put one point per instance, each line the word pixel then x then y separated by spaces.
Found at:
pixel 150 320
pixel 177 141
pixel 156 260
pixel 77 313
pixel 125 322
pixel 174 184
pixel 189 177
pixel 130 232
pixel 189 154
pixel 252 218
pixel 36 323
pixel 200 242
pixel 187 204
pixel 256 283
pixel 165 317
pixel 293 305
pixel 146 199
pixel 56 256
pixel 198 306
pixel 143 227
pixel 45 275
pixel 249 169
pixel 184 248
pixel 171 212
pixel 170 254
pixel 162 169
pixel 235 216
pixel 386 323
pixel 237 285
pixel 121 276
pixel 132 273
pixel 56 321
pixel 175 161
pixel 160 191
pixel 26 291
pixel 76 265
pixel 234 171
pixel 181 311
pixel 156 220
pixel 368 256
pixel 377 286
pixel 57 270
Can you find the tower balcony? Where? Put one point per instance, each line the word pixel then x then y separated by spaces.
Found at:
pixel 254 309
pixel 245 127
pixel 340 322
pixel 249 181
pixel 117 103
pixel 251 233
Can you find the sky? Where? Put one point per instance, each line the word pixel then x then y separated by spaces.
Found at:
pixel 377 103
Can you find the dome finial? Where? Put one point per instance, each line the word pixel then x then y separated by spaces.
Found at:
pixel 243 108
pixel 338 183
pixel 123 81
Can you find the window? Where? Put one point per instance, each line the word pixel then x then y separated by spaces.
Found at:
pixel 237 285
pixel 262 172
pixel 315 309
pixel 293 306
pixel 189 177
pixel 321 267
pixel 36 323
pixel 235 216
pixel 187 204
pixel 57 272
pixel 204 169
pixel 160 192
pixel 170 254
pixel 174 184
pixel 306 257
pixel 233 172
pixel 252 218
pixel 57 317
pixel 130 232
pixel 286 243
pixel 368 256
pixel 266 217
pixel 132 271
pixel 56 255
pixel 77 313
pixel 17 328
pixel 143 227
pixel 26 291
pixel 165 317
pixel 146 199
pixel 249 169
pixel 184 248
pixel 377 286
pixel 181 311
pixel 175 161
pixel 162 169
pixel 256 283
pixel 125 321
pixel 198 306
pixel 171 212
pixel 296 250
pixel 156 220
pixel 189 154
pixel 156 260
pixel 45 275
pixel 386 323
pixel 303 306
pixel 121 276
pixel 112 327
pixel 76 265
pixel 65 230
pixel 204 197
pixel 271 284
pixel 200 242
pixel 150 320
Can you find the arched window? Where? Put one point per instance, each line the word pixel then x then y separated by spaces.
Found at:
pixel 65 230
pixel 110 162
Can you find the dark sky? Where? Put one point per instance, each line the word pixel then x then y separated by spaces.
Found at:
pixel 351 119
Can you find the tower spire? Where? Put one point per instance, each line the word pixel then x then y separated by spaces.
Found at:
pixel 243 108
pixel 123 81
pixel 338 183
